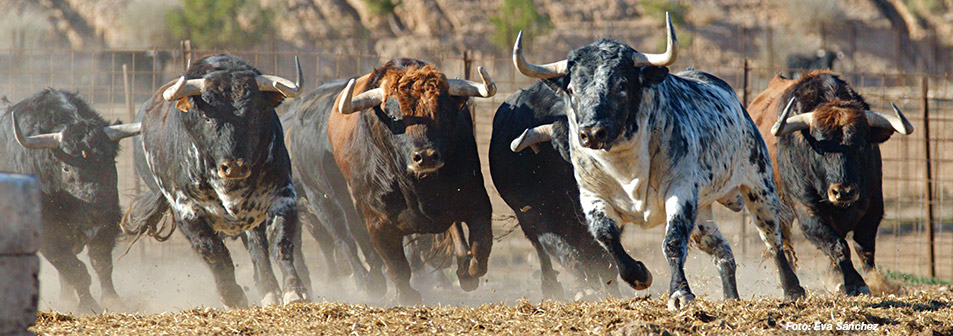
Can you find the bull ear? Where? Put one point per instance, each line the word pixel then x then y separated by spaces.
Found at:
pixel 559 84
pixel 652 75
pixel 880 135
pixel 183 104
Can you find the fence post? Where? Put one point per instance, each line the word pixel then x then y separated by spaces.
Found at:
pixel 746 69
pixel 928 186
pixel 186 53
pixel 19 242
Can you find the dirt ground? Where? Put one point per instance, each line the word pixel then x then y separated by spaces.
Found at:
pixel 924 311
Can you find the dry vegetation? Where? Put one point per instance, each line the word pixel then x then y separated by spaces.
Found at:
pixel 926 310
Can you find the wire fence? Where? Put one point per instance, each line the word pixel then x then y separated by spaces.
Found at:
pixel 916 235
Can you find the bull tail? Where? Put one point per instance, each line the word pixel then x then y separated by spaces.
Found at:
pixel 144 217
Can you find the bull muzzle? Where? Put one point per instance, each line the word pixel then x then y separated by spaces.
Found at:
pixel 233 169
pixel 841 194
pixel 425 161
pixel 595 137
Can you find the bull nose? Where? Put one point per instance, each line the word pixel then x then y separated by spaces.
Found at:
pixel 426 160
pixel 233 169
pixel 593 137
pixel 839 193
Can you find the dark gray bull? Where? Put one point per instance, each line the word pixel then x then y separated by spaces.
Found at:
pixel 212 152
pixel 652 148
pixel 56 136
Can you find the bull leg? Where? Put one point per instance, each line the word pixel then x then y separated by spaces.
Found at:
pixel 551 287
pixel 763 204
pixel 389 243
pixel 212 250
pixel 72 271
pixel 709 239
pixel 820 233
pixel 328 212
pixel 680 209
pixel 325 242
pixel 603 225
pixel 283 229
pixel 376 284
pixel 481 242
pixel 303 272
pixel 100 256
pixel 256 242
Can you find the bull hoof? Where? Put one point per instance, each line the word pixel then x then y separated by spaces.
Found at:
pixel 637 276
pixel 88 306
pixel 113 303
pixel 376 284
pixel 409 297
pixel 469 284
pixel 795 293
pixel 553 290
pixel 858 290
pixel 680 299
pixel 270 299
pixel 234 298
pixel 295 295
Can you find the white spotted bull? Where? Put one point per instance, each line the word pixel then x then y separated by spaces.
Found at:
pixel 651 148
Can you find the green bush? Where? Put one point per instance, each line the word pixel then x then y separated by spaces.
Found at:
pixel 514 16
pixel 913 279
pixel 380 7
pixel 215 23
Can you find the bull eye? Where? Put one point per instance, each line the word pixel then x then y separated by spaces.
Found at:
pixel 208 120
pixel 66 169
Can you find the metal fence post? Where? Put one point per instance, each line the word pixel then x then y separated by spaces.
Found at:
pixel 928 185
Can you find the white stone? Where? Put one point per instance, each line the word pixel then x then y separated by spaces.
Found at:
pixel 19 215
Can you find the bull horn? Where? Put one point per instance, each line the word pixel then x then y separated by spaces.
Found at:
pixel 277 84
pixel 531 137
pixel 898 122
pixel 788 124
pixel 348 104
pixel 184 88
pixel 461 87
pixel 671 49
pixel 551 70
pixel 40 141
pixel 118 132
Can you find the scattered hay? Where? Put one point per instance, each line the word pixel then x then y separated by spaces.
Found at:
pixel 923 310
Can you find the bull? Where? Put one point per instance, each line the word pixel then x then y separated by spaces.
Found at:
pixel 825 142
pixel 399 142
pixel 651 148
pixel 56 136
pixel 212 153
pixel 821 60
pixel 539 186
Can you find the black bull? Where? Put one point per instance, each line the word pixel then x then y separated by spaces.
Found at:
pixel 72 150
pixel 539 186
pixel 212 152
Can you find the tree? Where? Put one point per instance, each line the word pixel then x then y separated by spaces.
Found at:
pixel 220 23
pixel 517 15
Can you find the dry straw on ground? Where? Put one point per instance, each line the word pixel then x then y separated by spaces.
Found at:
pixel 925 311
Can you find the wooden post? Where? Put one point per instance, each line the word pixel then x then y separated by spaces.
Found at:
pixel 744 101
pixel 131 115
pixel 186 53
pixel 467 69
pixel 928 186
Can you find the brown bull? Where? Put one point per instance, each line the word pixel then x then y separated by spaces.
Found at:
pixel 825 143
pixel 402 139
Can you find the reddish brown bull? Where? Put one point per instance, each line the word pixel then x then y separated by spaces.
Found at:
pixel 402 139
pixel 825 143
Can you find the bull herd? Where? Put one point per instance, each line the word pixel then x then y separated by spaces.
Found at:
pixel 364 162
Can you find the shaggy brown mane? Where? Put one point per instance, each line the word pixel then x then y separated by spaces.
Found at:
pixel 417 89
pixel 838 113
